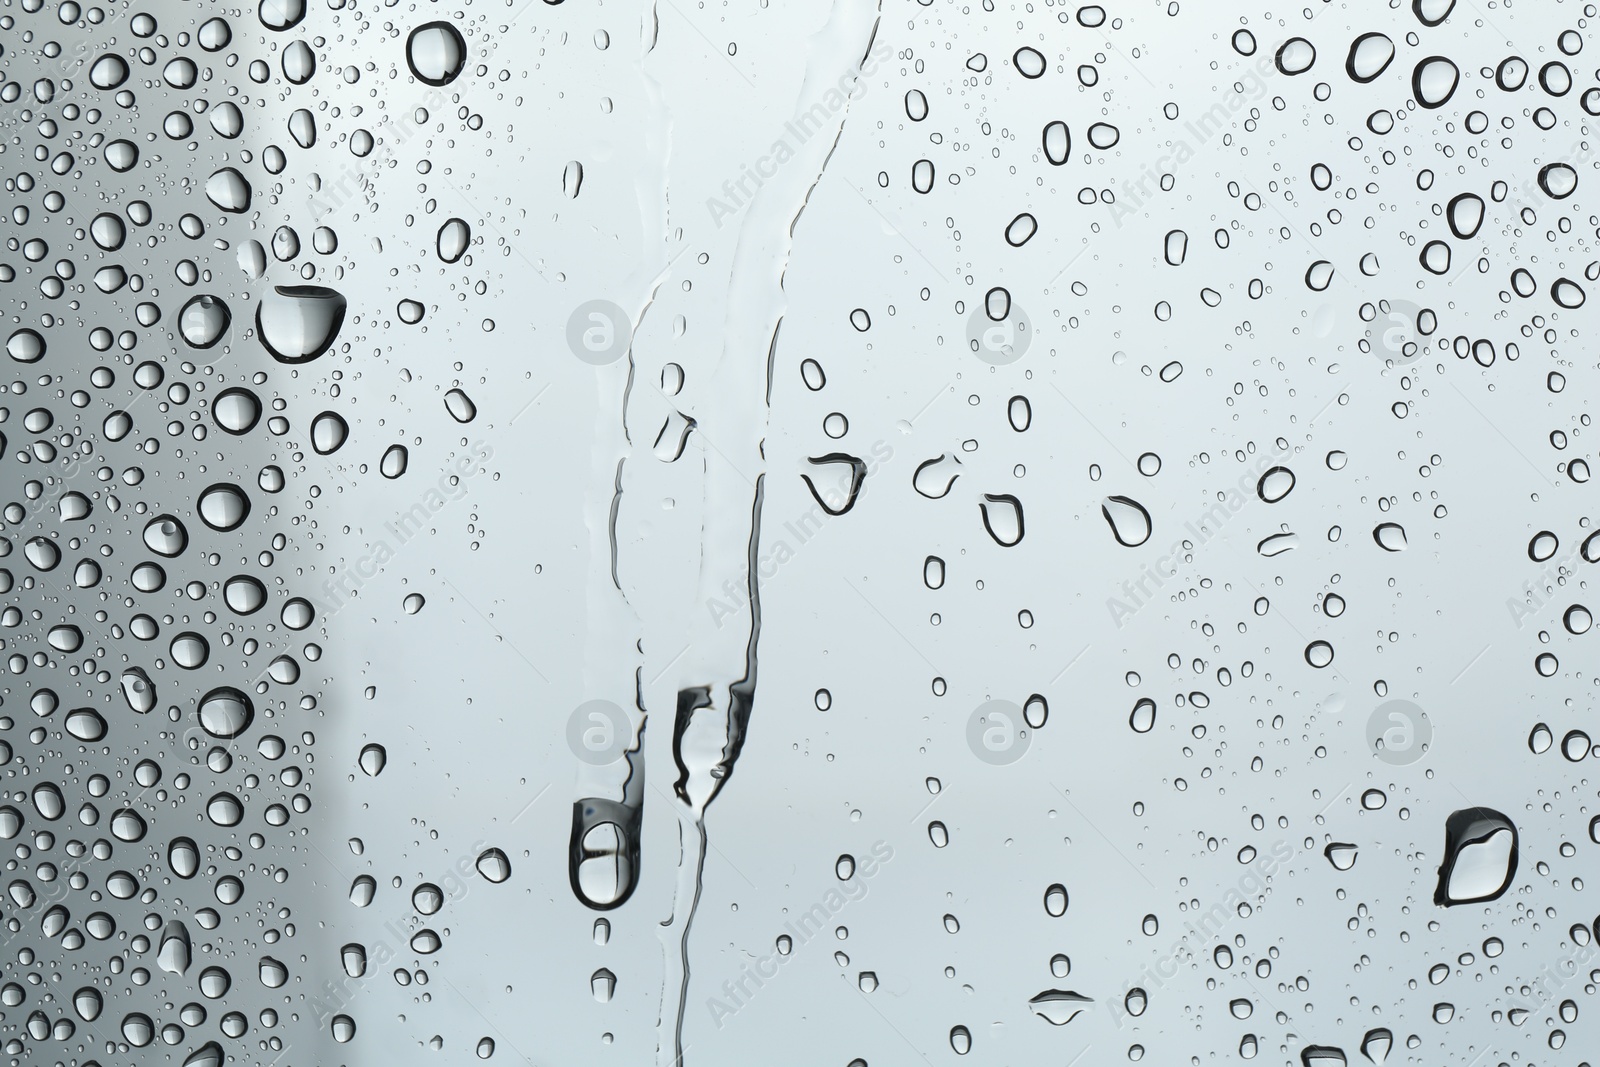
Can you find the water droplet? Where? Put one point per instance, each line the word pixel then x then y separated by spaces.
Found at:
pixel 1055 900
pixel 183 856
pixel 1295 56
pixel 298 323
pixel 1057 143
pixel 1058 1007
pixel 436 52
pixel 1275 484
pixel 1129 521
pixel 229 190
pixel 166 536
pixel 223 507
pixel 372 760
pixel 453 240
pixel 272 972
pixel 1341 855
pixel 1480 857
pixel 1434 81
pixel 226 712
pixel 493 865
pixel 1002 518
pixel 460 406
pixel 1376 1044
pixel 1390 536
pixel 174 954
pixel 329 432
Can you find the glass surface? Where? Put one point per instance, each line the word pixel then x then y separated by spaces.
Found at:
pixel 797 533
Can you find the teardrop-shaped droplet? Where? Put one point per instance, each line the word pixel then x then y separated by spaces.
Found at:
pixel 1002 518
pixel 372 760
pixel 1390 536
pixel 1341 855
pixel 272 972
pixel 207 1055
pixel 841 475
pixel 174 954
pixel 88 1003
pixel 1129 521
pixel 362 890
pixel 603 984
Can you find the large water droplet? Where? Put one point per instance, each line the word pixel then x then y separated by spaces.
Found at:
pixel 329 432
pixel 372 759
pixel 1390 536
pixel 436 52
pixel 229 190
pixel 223 507
pixel 604 861
pixel 298 323
pixel 226 712
pixel 165 535
pixel 1434 81
pixel 1003 518
pixel 1058 1007
pixel 174 954
pixel 1480 857
pixel 1129 521
pixel 203 321
pixel 1370 55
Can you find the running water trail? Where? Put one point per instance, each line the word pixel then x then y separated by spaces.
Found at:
pixel 726 407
